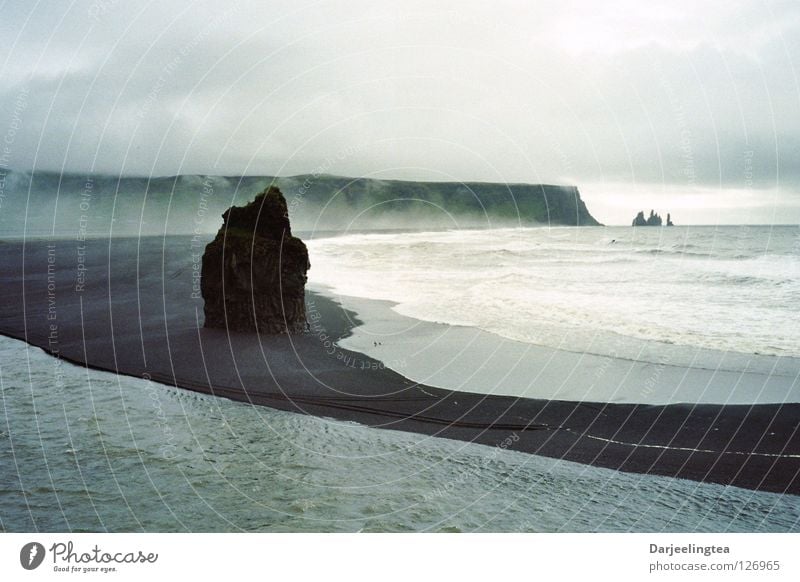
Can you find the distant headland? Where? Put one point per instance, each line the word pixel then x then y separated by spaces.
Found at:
pixel 132 205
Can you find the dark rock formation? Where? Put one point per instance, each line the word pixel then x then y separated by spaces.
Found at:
pixel 653 220
pixel 254 271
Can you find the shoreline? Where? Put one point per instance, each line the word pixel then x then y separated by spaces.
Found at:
pixel 135 316
pixel 418 348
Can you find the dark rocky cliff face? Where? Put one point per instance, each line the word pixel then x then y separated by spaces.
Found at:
pixel 254 271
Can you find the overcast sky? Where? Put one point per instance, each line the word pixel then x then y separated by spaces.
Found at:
pixel 687 106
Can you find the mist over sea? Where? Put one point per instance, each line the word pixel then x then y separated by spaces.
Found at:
pixel 95 451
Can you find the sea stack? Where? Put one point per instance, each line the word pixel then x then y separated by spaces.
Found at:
pixel 254 272
pixel 653 220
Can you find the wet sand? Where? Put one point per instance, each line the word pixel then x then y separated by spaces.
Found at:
pixel 131 306
pixel 469 359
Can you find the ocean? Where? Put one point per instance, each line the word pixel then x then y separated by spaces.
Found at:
pixel 100 452
pixel 604 290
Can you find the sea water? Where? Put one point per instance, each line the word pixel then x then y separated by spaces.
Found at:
pixel 597 290
pixel 83 450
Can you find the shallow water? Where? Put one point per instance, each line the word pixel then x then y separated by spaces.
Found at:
pixel 99 452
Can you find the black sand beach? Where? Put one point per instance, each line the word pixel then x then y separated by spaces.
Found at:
pixel 132 306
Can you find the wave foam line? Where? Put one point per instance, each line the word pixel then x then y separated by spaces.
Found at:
pixel 687 449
